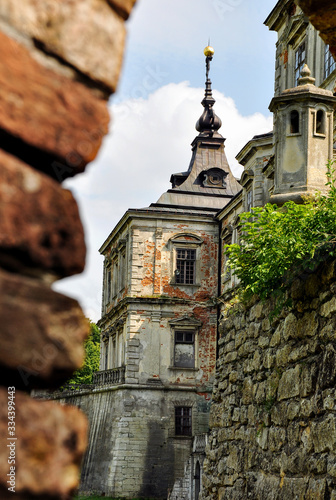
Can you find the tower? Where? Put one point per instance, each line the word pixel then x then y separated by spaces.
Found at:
pixel 303 138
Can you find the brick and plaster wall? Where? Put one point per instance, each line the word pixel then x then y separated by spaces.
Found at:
pixel 273 420
pixel 60 61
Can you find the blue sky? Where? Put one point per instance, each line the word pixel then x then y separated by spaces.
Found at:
pixel 158 103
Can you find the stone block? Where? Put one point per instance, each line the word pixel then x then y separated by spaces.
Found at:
pixel 307 440
pixel 327 369
pixel 276 438
pixel 51 440
pixel 324 434
pixel 276 337
pixel 247 394
pixel 293 488
pixel 308 325
pixel 308 379
pixel 282 355
pixel 46 119
pixel 40 229
pixel 290 327
pixel 64 29
pixel 328 308
pixel 317 489
pixel 289 384
pixel 42 333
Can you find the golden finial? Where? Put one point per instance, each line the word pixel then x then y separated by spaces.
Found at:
pixel 209 51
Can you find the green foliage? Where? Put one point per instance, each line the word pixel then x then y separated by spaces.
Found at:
pixel 91 362
pixel 278 242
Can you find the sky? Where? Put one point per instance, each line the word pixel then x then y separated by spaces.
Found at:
pixel 157 104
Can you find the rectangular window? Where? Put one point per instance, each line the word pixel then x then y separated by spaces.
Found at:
pixel 329 62
pixel 249 200
pixel 184 354
pixel 106 344
pixel 183 420
pixel 185 266
pixel 300 59
pixel 122 271
pixel 115 278
pixel 108 286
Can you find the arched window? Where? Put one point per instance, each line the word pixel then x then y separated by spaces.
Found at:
pixel 320 122
pixel 294 122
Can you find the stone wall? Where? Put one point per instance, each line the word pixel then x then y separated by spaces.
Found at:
pixel 60 61
pixel 133 451
pixel 273 416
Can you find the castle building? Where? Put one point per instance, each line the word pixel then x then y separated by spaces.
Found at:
pixel 164 271
pixel 159 317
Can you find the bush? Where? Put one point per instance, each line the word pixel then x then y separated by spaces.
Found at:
pixel 91 362
pixel 277 243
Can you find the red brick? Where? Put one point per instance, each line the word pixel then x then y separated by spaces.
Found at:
pixel 40 228
pixel 42 333
pixel 51 440
pixel 44 112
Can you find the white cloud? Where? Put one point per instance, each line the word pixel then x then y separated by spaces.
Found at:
pixel 149 140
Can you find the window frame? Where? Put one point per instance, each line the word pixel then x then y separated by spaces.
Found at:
pixel 185 241
pixel 299 62
pixel 329 62
pixel 190 325
pixel 185 332
pixel 184 266
pixel 183 421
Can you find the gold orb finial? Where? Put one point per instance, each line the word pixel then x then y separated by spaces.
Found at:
pixel 209 51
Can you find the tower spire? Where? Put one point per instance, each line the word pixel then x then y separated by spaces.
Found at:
pixel 208 123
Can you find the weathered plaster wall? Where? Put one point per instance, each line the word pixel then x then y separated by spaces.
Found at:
pixel 151 299
pixel 273 418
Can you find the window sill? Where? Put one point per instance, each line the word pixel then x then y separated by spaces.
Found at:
pixel 196 285
pixel 181 368
pixel 322 136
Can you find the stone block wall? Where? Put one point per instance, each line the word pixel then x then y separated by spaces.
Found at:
pixel 273 415
pixel 133 451
pixel 60 61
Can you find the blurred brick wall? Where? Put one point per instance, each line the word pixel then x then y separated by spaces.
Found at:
pixel 60 60
pixel 322 14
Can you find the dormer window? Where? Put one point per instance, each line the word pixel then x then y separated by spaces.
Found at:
pixel 329 62
pixel 294 122
pixel 300 60
pixel 214 177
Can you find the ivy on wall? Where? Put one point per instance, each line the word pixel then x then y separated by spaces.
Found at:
pixel 278 243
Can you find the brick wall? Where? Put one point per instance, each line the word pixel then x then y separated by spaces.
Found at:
pixel 60 61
